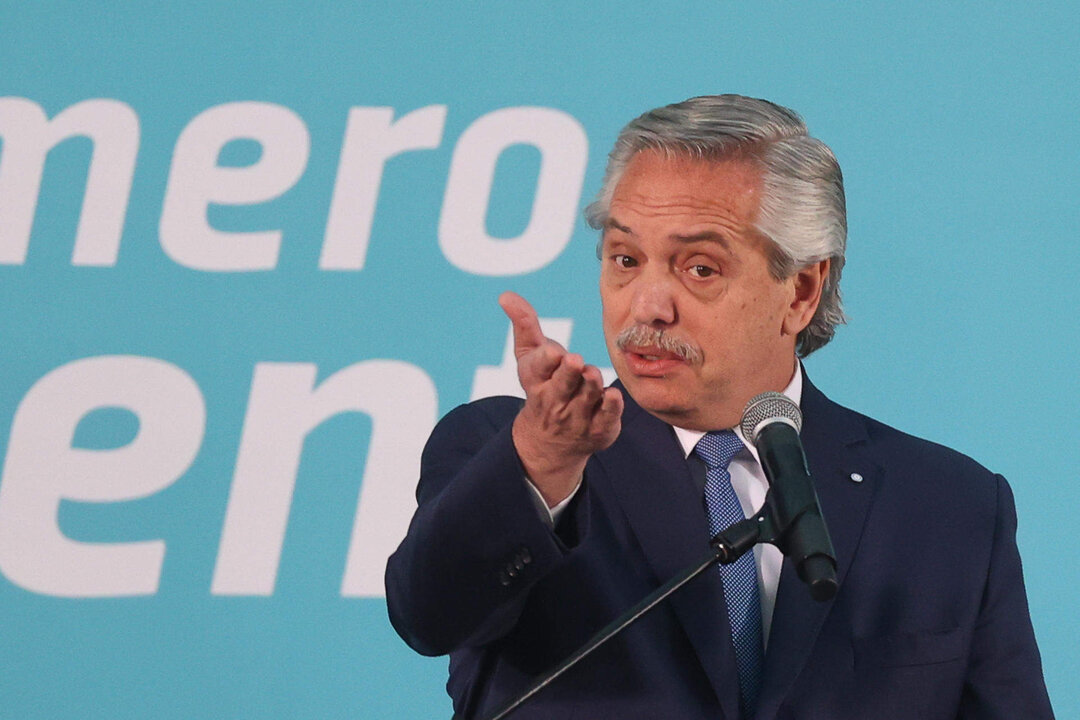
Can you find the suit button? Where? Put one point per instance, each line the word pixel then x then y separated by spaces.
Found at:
pixel 519 563
pixel 504 578
pixel 525 555
pixel 511 571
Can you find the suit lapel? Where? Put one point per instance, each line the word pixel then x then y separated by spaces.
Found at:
pixel 650 478
pixel 831 436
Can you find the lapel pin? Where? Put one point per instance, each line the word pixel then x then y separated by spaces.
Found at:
pixel 856 477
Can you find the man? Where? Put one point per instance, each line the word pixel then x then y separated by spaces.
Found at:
pixel 723 234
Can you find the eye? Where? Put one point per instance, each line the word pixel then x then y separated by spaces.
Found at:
pixel 624 261
pixel 702 271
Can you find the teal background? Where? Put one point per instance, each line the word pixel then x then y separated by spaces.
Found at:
pixel 956 126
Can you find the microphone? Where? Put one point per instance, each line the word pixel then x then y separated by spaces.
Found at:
pixel 772 421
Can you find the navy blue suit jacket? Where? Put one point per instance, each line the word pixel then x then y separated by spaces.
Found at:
pixel 930 622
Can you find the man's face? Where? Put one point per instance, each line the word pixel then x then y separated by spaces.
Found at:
pixel 680 256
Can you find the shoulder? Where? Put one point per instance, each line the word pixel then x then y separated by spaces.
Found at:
pixel 920 453
pixel 918 494
pixel 909 463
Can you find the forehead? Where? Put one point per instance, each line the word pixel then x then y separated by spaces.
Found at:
pixel 672 188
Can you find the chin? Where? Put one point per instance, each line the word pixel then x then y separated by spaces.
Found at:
pixel 657 396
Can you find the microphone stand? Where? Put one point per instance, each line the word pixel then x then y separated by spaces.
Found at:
pixel 727 547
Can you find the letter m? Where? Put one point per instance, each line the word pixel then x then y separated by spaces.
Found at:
pixel 28 135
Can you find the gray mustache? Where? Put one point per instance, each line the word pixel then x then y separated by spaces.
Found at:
pixel 642 335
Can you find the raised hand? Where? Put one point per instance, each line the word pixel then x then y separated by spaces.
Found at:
pixel 568 415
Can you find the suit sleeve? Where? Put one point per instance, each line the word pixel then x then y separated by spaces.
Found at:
pixel 1004 679
pixel 476 544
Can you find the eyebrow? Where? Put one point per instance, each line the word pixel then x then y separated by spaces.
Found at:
pixel 613 224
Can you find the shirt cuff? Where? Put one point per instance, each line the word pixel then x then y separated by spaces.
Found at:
pixel 551 515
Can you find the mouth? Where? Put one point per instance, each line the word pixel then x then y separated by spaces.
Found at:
pixel 651 361
pixel 653 353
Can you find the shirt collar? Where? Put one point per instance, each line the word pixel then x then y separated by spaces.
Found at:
pixel 689 438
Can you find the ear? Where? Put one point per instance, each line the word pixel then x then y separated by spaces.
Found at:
pixel 806 285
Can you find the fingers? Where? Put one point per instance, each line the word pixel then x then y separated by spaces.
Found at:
pixel 592 387
pixel 563 394
pixel 574 382
pixel 610 412
pixel 539 364
pixel 527 333
pixel 576 393
pixel 591 392
pixel 567 377
pixel 565 420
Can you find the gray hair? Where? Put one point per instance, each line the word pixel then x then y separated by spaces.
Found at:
pixel 802 211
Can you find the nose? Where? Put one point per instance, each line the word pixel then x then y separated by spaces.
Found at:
pixel 654 302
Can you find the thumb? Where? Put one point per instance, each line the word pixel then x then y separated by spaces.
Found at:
pixel 527 332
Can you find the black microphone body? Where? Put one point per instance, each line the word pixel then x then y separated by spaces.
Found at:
pixel 796 512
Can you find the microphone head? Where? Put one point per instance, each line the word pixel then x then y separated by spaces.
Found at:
pixel 767 408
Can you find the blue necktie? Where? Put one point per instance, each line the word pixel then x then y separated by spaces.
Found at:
pixel 740 577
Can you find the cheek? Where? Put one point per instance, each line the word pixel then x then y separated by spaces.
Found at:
pixel 607 310
pixel 765 310
pixel 614 304
pixel 738 333
pixel 611 325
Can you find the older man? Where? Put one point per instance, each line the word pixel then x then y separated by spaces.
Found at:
pixel 723 233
